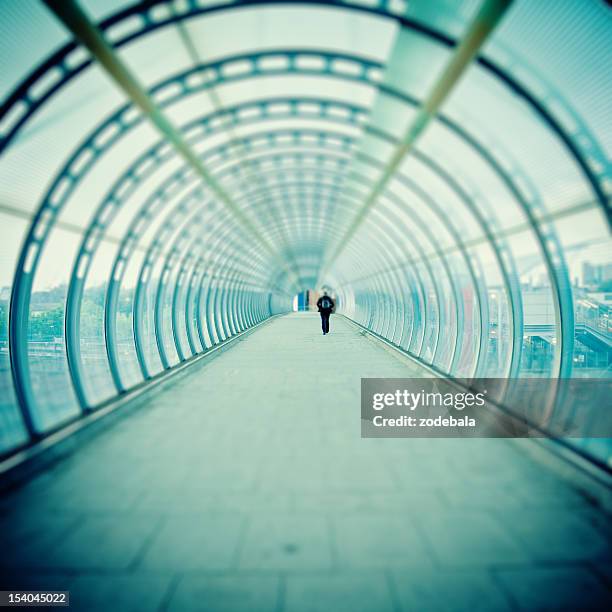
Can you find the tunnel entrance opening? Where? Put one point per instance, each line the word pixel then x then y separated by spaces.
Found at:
pixel 307 300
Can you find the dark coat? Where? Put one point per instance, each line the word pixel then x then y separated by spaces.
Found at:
pixel 320 304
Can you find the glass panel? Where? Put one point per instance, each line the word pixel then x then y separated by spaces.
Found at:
pixel 129 368
pixel 97 377
pixel 51 384
pixel 585 239
pixel 12 429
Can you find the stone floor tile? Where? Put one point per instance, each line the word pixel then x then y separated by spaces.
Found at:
pixel 287 542
pixel 556 588
pixel 379 541
pixel 458 591
pixel 340 592
pixel 204 541
pixel 102 542
pixel 471 538
pixel 229 593
pixel 132 593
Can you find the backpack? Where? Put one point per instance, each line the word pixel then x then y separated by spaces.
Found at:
pixel 326 302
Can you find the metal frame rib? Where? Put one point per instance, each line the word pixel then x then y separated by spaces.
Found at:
pixel 483 24
pixel 79 24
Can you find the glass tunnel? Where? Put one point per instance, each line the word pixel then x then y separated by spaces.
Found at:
pixel 174 173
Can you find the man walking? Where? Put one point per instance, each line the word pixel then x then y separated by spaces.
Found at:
pixel 325 305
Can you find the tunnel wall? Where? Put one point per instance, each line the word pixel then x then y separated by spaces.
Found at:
pixel 487 254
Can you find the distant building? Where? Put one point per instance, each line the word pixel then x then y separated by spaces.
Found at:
pixel 593 275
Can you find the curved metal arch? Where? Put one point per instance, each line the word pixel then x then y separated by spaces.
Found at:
pixel 213 322
pixel 123 122
pixel 231 305
pixel 234 304
pixel 202 276
pixel 422 257
pixel 395 305
pixel 563 318
pixel 453 281
pixel 181 243
pixel 477 286
pixel 149 263
pixel 557 272
pixel 425 230
pixel 418 322
pixel 400 301
pixel 556 267
pixel 391 228
pixel 554 262
pixel 137 227
pixel 499 246
pixel 169 262
pixel 283 186
pixel 146 271
pixel 382 239
pixel 387 313
pixel 429 237
pixel 151 22
pixel 125 119
pixel 195 328
pixel 179 304
pixel 226 231
pixel 239 320
pixel 502 253
pixel 191 223
pixel 450 277
pixel 143 280
pixel 176 319
pixel 132 177
pixel 218 320
pixel 190 274
pixel 205 312
pixel 390 250
pixel 27 263
pixel 215 73
pixel 173 251
pixel 337 231
pixel 480 290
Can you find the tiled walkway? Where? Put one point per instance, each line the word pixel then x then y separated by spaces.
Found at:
pixel 247 486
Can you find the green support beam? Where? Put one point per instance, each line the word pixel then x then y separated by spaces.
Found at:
pixel 84 30
pixel 481 27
